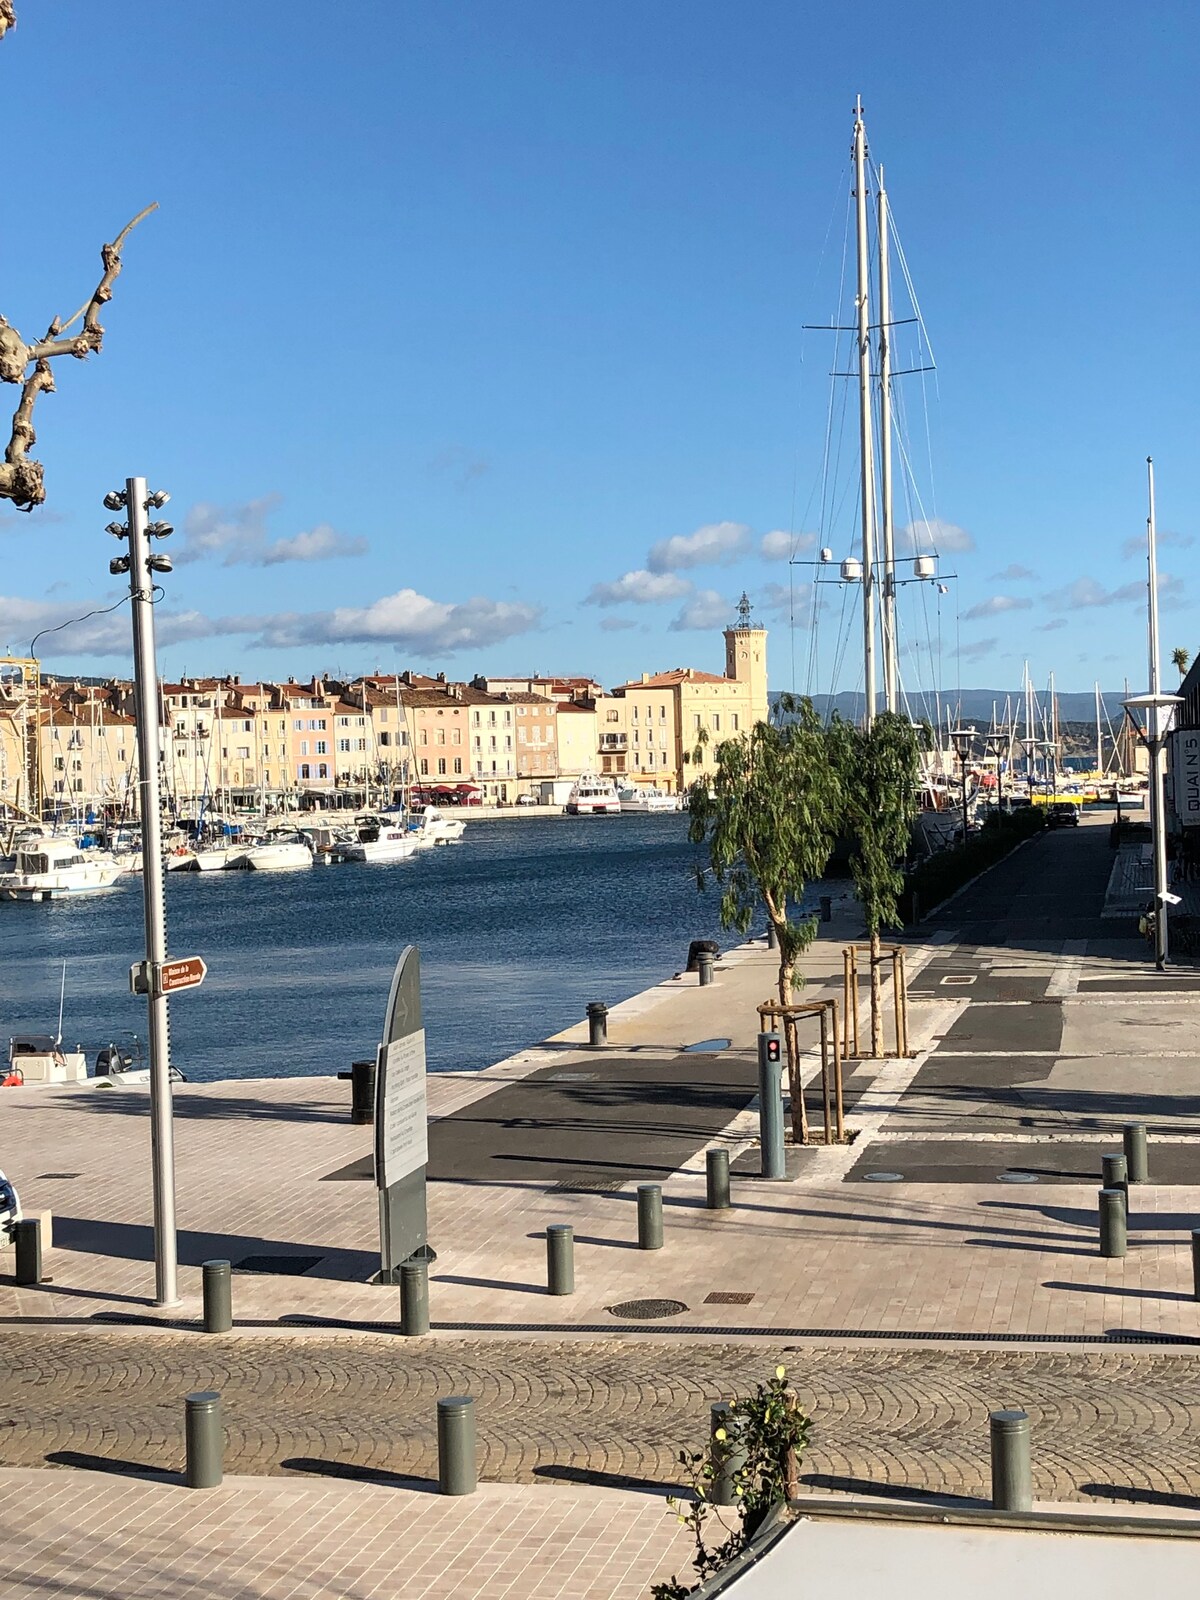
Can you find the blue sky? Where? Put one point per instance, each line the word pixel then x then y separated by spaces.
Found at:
pixel 469 336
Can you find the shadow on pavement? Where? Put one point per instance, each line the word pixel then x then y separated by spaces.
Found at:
pixel 320 1467
pixel 85 1462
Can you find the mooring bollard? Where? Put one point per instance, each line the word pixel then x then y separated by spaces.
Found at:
pixel 1012 1474
pixel 727 1455
pixel 597 1016
pixel 1134 1138
pixel 770 1104
pixel 560 1258
pixel 218 1296
pixel 414 1297
pixel 716 1173
pixel 826 904
pixel 1115 1175
pixel 650 1218
pixel 772 937
pixel 362 1090
pixel 705 963
pixel 205 1439
pixel 1112 1222
pixel 27 1236
pixel 1196 1263
pixel 457 1470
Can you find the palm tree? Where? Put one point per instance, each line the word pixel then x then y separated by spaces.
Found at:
pixel 1181 658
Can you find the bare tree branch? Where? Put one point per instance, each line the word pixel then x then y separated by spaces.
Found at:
pixel 21 479
pixel 8 17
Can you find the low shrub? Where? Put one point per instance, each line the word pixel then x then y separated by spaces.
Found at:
pixel 938 878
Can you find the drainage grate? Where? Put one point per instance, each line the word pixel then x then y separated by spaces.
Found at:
pixel 42 1175
pixel 583 1186
pixel 727 1297
pixel 646 1310
pixel 883 1177
pixel 283 1266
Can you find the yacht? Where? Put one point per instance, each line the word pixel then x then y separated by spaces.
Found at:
pixel 641 802
pixel 51 869
pixel 280 852
pixel 433 826
pixel 37 1058
pixel 594 796
pixel 387 843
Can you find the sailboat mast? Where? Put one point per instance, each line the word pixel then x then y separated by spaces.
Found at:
pixel 1099 735
pixel 866 439
pixel 891 671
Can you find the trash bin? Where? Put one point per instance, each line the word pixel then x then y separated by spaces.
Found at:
pixel 362 1090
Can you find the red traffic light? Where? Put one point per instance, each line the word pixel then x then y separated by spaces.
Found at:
pixel 772 1048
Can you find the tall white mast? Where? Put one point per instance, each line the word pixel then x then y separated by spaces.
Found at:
pixel 1156 721
pixel 891 669
pixel 866 432
pixel 1099 735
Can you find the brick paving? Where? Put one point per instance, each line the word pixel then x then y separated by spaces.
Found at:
pixel 608 1413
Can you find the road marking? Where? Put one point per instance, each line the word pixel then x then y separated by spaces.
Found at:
pixel 1064 980
pixel 960 978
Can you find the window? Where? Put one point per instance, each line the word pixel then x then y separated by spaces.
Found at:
pixel 520 711
pixel 441 766
pixel 633 713
pixel 458 765
pixel 383 713
pixel 303 748
pixel 696 720
pixel 304 770
pixel 478 742
pixel 508 719
pixel 344 746
pixel 385 738
pixel 521 739
pixel 343 722
pixel 243 751
pixel 245 727
pixel 362 744
pixel 492 742
pixel 474 719
pixel 403 735
pixel 662 713
pixel 322 747
pixel 635 736
pixel 282 725
pixel 441 736
pixel 266 777
pixel 424 735
pixel 424 767
pixel 59 785
pixel 102 732
pixel 122 754
pixel 491 719
pixel 508 741
pixel 649 758
pixel 298 725
pixel 322 770
pixel 735 722
pixel 225 752
pixel 78 785
pixel 456 736
pixel 612 716
pixel 716 722
pixel 60 763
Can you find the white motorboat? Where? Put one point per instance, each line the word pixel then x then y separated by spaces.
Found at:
pixel 51 869
pixel 642 802
pixel 387 844
pixel 433 826
pixel 37 1058
pixel 281 852
pixel 594 796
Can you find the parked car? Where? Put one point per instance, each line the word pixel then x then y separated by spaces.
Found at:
pixel 527 800
pixel 1062 815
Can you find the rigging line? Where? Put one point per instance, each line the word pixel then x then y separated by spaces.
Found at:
pixel 832 388
pixel 923 338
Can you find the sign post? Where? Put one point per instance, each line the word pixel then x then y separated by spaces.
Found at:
pixel 401 1123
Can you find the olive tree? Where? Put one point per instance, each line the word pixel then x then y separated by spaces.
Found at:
pixel 27 362
pixel 881 791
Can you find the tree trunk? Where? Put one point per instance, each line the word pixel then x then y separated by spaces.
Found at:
pixel 876 999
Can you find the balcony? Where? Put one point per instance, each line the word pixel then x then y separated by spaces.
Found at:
pixel 614 741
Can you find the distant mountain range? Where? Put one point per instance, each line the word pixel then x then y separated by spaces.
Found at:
pixel 976 704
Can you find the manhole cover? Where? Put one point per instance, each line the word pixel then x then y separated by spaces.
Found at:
pixel 883 1177
pixel 727 1297
pixel 646 1310
pixel 582 1186
pixel 1016 1177
pixel 706 1047
pixel 285 1266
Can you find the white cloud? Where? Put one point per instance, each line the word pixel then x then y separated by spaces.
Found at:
pixel 1052 627
pixel 1086 592
pixel 976 651
pixel 1165 536
pixel 931 533
pixel 704 611
pixel 639 588
pixel 714 544
pixel 995 605
pixel 616 624
pixel 777 600
pixel 67 629
pixel 1013 573
pixel 783 546
pixel 239 535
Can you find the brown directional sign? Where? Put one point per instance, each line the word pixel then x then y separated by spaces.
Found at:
pixel 185 974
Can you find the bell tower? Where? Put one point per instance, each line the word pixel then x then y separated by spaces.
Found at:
pixel 746 658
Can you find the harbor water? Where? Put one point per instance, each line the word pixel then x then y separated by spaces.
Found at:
pixel 519 927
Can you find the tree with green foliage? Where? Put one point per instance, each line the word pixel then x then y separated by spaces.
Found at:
pixel 881 791
pixel 1180 657
pixel 769 815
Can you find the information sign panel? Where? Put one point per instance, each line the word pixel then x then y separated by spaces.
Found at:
pixel 401 1122
pixel 402 1144
pixel 1185 774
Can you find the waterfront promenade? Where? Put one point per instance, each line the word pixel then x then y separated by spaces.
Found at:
pixel 942 1264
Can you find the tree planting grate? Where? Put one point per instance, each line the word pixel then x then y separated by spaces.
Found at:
pixel 42 1175
pixel 646 1310
pixel 282 1266
pixel 727 1297
pixel 582 1186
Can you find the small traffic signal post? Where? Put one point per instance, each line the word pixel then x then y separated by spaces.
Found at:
pixel 770 1104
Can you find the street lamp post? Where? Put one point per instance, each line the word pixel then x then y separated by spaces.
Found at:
pixel 1158 708
pixel 963 739
pixel 996 743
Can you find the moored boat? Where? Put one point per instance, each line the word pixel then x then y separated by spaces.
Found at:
pixel 51 869
pixel 594 796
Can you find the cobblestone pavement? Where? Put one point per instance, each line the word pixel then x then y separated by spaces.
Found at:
pixel 1104 1421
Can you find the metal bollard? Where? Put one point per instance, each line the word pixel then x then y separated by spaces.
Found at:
pixel 826 903
pixel 1113 1229
pixel 457 1470
pixel 772 937
pixel 1136 1162
pixel 727 1455
pixel 1116 1176
pixel 597 1016
pixel 205 1439
pixel 560 1258
pixel 705 962
pixel 770 1104
pixel 1012 1475
pixel 1196 1263
pixel 218 1296
pixel 414 1297
pixel 27 1235
pixel 716 1171
pixel 362 1090
pixel 650 1218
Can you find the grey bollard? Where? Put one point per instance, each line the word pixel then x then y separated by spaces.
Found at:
pixel 716 1172
pixel 597 1016
pixel 1196 1263
pixel 1112 1222
pixel 218 1296
pixel 770 1104
pixel 1136 1161
pixel 457 1470
pixel 826 904
pixel 205 1439
pixel 1115 1175
pixel 414 1297
pixel 1012 1475
pixel 27 1235
pixel 705 963
pixel 560 1258
pixel 650 1217
pixel 726 1455
pixel 772 937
